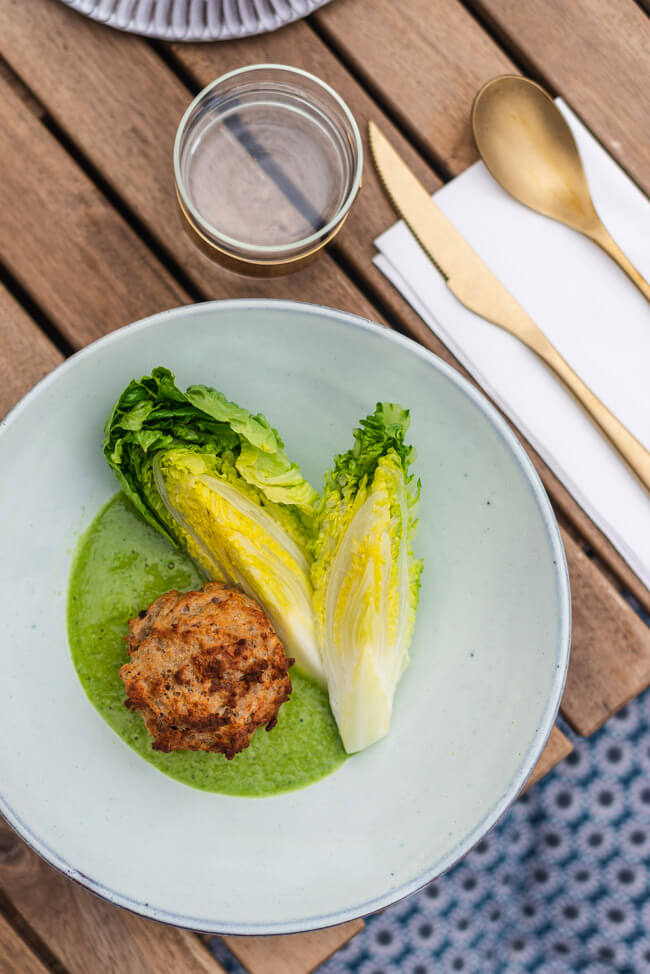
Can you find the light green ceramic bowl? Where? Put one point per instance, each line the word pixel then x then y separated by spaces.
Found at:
pixel 472 712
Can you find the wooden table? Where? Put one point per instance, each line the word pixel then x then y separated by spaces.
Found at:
pixel 90 240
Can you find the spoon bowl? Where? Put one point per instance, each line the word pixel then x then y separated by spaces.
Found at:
pixel 529 149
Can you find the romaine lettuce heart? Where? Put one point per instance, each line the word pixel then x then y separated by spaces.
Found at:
pixel 216 479
pixel 365 577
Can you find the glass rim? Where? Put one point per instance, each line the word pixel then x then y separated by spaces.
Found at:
pixel 256 252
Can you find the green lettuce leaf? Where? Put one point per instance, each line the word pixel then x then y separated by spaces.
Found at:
pixel 215 479
pixel 365 576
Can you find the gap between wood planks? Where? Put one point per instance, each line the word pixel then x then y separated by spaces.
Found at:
pixel 28 935
pixel 168 261
pixel 516 55
pixel 35 311
pixel 10 282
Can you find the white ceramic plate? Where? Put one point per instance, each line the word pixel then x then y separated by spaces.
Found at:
pixel 196 20
pixel 472 711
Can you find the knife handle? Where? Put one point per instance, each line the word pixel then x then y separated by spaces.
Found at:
pixel 634 453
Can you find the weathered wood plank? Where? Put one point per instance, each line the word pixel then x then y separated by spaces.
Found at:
pixel 595 54
pixel 15 955
pixel 64 242
pixel 602 621
pixel 297 954
pixel 620 575
pixel 424 63
pixel 86 933
pixel 121 106
pixel 27 355
pixel 557 748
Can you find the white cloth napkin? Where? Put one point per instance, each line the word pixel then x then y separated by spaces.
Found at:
pixel 583 303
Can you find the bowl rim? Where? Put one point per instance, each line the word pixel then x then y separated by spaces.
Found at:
pixel 560 662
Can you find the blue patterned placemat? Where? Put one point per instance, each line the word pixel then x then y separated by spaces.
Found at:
pixel 561 885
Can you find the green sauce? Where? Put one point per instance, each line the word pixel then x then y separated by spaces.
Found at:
pixel 121 566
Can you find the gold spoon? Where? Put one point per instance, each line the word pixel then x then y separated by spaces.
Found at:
pixel 525 142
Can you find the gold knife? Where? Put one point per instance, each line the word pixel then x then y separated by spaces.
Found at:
pixel 478 289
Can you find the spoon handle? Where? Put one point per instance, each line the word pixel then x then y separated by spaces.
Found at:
pixel 603 238
pixel 634 453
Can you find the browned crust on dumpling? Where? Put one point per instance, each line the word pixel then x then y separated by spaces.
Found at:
pixel 206 670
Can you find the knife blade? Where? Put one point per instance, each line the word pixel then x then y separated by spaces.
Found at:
pixel 466 275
